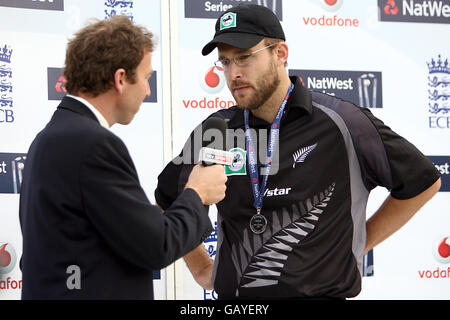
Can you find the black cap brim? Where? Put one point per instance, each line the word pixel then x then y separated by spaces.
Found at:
pixel 234 39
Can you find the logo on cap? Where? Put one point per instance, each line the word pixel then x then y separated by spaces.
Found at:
pixel 228 21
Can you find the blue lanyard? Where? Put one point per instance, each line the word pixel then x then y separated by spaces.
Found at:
pixel 258 193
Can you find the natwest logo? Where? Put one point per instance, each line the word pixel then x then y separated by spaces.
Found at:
pixel 11 171
pixel 362 88
pixel 390 8
pixel 426 11
pixel 60 85
pixel 57 90
pixel 442 164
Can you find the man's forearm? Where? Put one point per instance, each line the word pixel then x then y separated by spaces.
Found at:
pixel 200 265
pixel 393 214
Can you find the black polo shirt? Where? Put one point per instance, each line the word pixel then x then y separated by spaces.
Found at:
pixel 330 155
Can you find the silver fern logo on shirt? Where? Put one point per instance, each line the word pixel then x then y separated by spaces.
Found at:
pixel 260 259
pixel 301 154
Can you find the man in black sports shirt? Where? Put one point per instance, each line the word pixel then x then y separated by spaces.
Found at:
pixel 299 230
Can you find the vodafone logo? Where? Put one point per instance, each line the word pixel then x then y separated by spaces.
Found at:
pixel 330 21
pixel 212 80
pixel 7 258
pixel 441 250
pixel 331 5
pixel 390 8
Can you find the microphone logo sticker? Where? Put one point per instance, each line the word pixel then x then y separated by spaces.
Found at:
pixel 237 168
pixel 212 80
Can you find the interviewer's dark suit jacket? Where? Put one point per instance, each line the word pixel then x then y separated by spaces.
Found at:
pixel 81 204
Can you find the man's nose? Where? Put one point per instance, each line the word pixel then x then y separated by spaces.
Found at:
pixel 234 71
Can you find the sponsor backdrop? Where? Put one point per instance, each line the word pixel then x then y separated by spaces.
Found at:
pixel 388 55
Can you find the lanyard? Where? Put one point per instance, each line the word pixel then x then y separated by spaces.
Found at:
pixel 258 193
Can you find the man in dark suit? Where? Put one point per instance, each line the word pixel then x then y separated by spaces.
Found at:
pixel 89 230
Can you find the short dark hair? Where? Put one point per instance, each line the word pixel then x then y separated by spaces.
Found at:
pixel 99 49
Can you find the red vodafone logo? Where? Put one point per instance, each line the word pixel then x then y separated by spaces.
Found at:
pixel 330 20
pixel 7 258
pixel 331 5
pixel 441 250
pixel 212 80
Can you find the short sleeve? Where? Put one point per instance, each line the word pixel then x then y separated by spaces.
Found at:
pixel 408 171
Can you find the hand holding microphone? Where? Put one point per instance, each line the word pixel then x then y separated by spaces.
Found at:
pixel 208 182
pixel 208 178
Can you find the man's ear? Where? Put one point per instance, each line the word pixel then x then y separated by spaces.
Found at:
pixel 282 53
pixel 119 80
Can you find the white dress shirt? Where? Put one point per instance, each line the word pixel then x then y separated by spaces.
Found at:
pixel 97 113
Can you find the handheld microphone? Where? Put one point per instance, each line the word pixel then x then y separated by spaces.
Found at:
pixel 214 152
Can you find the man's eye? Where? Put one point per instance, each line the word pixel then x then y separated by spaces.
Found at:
pixel 243 58
pixel 225 62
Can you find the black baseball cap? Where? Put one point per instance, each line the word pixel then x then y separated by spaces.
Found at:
pixel 244 26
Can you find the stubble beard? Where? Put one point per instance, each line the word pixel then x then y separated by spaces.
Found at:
pixel 266 84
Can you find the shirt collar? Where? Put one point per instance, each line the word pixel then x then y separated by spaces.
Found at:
pixel 300 101
pixel 97 113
